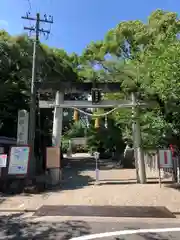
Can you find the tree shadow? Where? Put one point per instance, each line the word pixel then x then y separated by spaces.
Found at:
pixel 15 228
pixel 72 177
pixel 74 180
pixel 149 236
pixel 72 169
pixel 154 236
pixel 173 185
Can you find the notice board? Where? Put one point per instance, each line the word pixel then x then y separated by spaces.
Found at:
pixel 19 160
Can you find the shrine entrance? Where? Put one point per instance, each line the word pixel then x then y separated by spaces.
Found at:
pixel 96 103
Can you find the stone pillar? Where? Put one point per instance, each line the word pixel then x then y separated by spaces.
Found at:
pixel 56 173
pixel 138 151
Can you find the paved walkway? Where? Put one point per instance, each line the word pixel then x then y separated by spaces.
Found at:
pixel 117 187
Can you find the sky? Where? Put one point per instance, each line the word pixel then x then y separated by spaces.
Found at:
pixel 78 22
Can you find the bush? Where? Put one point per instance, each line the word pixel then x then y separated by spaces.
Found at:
pixel 64 145
pixel 105 140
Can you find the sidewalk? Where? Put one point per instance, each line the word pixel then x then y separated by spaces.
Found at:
pixel 108 193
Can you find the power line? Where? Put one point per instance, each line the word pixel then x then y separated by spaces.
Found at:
pixel 36 28
pixel 29 3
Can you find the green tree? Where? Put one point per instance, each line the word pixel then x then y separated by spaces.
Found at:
pixel 143 58
pixel 15 71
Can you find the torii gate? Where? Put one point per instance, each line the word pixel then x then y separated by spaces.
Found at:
pixel 61 87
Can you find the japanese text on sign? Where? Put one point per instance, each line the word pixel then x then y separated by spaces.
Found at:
pixel 19 158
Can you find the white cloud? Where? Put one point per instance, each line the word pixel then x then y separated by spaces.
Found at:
pixel 3 23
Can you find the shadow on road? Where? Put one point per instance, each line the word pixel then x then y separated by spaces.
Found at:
pixel 154 236
pixel 175 186
pixel 148 236
pixel 13 227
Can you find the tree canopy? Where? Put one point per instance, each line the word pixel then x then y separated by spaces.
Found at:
pixel 141 57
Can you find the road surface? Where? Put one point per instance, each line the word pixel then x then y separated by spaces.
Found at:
pixel 16 227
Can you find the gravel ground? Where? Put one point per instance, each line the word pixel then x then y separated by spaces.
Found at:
pixel 117 187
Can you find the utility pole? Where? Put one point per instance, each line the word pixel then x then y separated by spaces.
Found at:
pixel 138 152
pixel 32 116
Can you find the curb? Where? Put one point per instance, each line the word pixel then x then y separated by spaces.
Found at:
pixel 29 217
pixel 18 210
pixel 99 219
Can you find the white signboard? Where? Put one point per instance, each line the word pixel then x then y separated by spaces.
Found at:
pixel 22 129
pixel 3 160
pixel 19 159
pixel 165 159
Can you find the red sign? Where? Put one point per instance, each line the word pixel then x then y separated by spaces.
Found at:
pixel 165 158
pixel 3 160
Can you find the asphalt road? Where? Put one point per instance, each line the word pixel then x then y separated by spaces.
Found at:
pixel 15 227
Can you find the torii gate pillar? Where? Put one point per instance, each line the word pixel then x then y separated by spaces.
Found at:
pixel 56 173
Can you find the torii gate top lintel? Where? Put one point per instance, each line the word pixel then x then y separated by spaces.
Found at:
pixel 77 87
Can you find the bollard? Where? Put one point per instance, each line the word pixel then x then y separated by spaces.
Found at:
pixel 96 156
